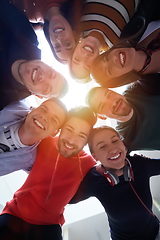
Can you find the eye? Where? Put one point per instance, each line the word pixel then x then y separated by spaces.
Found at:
pixel 69 129
pixel 76 59
pixel 43 108
pixel 102 147
pixel 68 44
pixel 102 107
pixel 57 48
pixel 115 140
pixel 54 120
pixel 83 136
pixel 105 58
pixel 88 67
pixel 109 94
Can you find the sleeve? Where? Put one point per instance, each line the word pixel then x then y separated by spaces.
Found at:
pixel 151 83
pixel 85 189
pixel 87 163
pixel 16 22
pixel 150 165
pixel 13 112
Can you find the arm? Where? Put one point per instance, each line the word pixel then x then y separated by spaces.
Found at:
pixel 85 189
pixel 16 22
pixel 151 83
pixel 139 22
pixel 13 112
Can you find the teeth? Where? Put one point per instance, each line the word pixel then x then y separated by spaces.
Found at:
pixel 39 124
pixel 121 58
pixel 59 30
pixel 115 157
pixel 34 74
pixel 70 147
pixel 88 49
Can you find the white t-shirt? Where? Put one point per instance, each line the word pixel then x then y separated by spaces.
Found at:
pixel 9 139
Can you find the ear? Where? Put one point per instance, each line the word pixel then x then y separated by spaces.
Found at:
pixel 94 156
pixel 55 133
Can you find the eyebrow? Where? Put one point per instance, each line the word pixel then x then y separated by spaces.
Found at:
pixel 73 129
pixel 53 115
pixel 103 141
pixel 56 117
pixel 99 143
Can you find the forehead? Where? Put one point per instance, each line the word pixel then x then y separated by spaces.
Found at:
pixel 103 135
pixel 78 125
pixel 52 107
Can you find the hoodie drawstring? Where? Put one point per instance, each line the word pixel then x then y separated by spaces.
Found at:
pixel 53 174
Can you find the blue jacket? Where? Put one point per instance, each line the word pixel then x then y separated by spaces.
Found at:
pixel 22 158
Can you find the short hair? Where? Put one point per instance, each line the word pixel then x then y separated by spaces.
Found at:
pixel 97 130
pixel 89 96
pixel 97 74
pixel 83 113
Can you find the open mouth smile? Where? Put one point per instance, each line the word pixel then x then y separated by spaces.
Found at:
pixel 68 146
pixel 34 73
pixel 58 30
pixel 122 58
pixel 39 124
pixel 116 157
pixel 88 49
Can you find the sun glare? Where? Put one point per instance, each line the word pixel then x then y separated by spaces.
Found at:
pixel 77 92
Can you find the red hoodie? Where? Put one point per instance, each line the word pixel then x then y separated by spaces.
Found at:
pixel 51 184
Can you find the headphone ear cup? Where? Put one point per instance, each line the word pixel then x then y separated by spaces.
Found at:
pixel 126 173
pixel 112 178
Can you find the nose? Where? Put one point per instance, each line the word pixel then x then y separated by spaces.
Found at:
pixel 72 139
pixel 44 117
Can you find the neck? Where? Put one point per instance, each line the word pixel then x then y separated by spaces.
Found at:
pixel 15 70
pixel 25 138
pixel 52 12
pixel 126 118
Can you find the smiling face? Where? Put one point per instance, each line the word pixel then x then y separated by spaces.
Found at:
pixel 84 54
pixel 73 137
pixel 114 64
pixel 61 37
pixel 109 149
pixel 41 79
pixel 44 120
pixel 110 104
